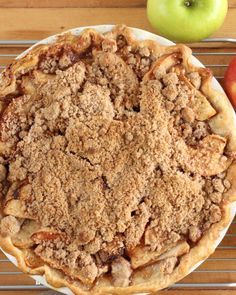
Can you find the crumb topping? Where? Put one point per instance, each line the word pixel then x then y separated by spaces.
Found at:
pixel 9 226
pixel 106 159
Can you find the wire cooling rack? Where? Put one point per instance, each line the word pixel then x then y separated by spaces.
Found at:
pixel 218 271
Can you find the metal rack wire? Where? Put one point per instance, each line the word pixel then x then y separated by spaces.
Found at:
pixel 6 55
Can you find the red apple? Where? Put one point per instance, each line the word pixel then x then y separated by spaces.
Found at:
pixel 230 82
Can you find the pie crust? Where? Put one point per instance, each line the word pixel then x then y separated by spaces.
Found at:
pixel 144 263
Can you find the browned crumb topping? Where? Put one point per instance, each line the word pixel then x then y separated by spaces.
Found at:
pixel 9 226
pixel 105 159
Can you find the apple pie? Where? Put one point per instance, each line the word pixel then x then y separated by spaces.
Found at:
pixel 117 167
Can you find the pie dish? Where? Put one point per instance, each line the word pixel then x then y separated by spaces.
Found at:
pixel 117 162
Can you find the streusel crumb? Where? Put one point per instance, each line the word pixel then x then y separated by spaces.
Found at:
pixel 105 160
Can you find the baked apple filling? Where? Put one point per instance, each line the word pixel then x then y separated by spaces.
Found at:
pixel 108 162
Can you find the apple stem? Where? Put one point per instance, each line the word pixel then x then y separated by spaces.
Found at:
pixel 188 3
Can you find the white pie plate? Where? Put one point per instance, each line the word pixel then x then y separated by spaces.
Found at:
pixel 140 35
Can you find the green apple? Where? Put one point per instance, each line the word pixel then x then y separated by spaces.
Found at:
pixel 186 20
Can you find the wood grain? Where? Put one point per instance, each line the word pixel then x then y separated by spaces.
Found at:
pixel 38 23
pixel 31 292
pixel 72 3
pixel 80 3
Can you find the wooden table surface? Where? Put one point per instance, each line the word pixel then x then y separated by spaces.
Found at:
pixel 33 20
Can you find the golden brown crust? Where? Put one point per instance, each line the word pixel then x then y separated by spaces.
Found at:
pixel 149 278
